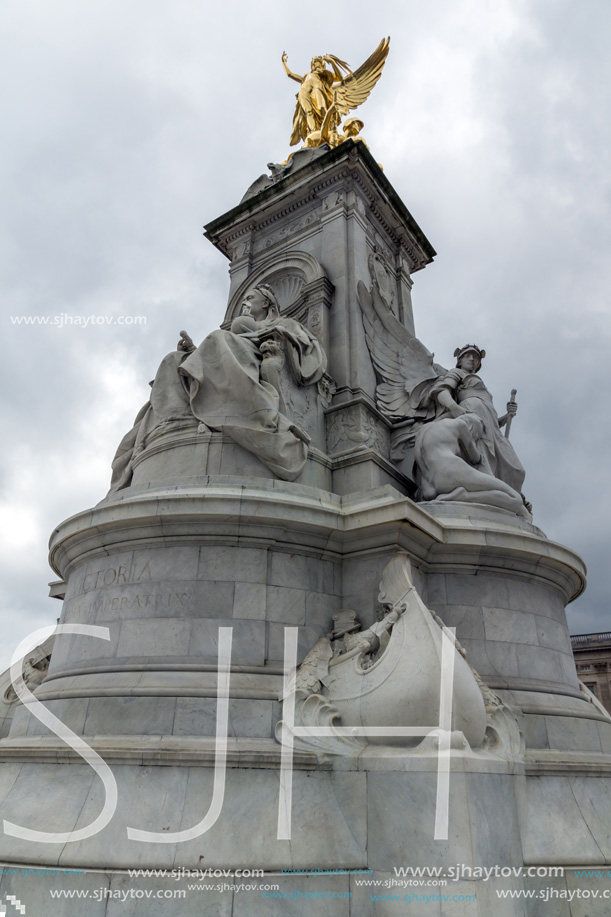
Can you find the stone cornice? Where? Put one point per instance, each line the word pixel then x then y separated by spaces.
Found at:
pixel 329 524
pixel 350 161
pixel 164 750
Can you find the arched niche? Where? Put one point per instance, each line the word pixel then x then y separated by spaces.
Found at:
pixel 302 288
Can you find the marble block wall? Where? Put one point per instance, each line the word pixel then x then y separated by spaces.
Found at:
pixel 163 608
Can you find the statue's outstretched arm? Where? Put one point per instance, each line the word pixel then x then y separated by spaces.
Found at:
pixel 447 401
pixel 289 73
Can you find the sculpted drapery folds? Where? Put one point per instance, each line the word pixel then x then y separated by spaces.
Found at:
pixel 229 384
pixel 414 393
pixel 169 401
pixel 325 95
pixel 462 391
pixel 231 381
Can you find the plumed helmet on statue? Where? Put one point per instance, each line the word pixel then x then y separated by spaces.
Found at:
pixel 273 307
pixel 469 348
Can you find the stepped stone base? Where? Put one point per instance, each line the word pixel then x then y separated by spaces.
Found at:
pixel 258 558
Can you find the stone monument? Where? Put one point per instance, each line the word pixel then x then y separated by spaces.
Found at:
pixel 312 625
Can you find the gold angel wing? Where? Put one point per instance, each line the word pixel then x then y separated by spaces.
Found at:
pixel 355 89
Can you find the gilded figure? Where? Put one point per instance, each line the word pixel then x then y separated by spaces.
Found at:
pixel 329 91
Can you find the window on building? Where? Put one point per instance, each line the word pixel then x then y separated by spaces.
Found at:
pixel 592 688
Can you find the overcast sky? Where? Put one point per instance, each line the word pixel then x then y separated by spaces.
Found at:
pixel 128 125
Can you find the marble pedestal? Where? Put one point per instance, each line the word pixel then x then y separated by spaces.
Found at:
pixel 164 568
pixel 206 538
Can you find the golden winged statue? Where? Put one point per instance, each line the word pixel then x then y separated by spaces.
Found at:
pixel 326 95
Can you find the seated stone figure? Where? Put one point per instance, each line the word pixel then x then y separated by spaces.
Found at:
pixel 229 383
pixel 169 401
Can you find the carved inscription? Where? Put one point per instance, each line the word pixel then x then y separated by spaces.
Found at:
pixel 141 591
pixel 116 576
pixel 153 600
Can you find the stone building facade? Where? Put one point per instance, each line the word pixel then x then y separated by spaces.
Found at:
pixel 592 654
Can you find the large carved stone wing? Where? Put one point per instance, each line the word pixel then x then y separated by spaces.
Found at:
pixel 403 362
pixel 355 89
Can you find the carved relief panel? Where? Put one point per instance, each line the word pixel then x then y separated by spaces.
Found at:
pixel 355 428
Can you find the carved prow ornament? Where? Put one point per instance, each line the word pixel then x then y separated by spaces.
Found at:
pixel 388 675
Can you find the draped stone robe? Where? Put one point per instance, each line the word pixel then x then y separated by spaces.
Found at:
pixel 228 394
pixel 220 384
